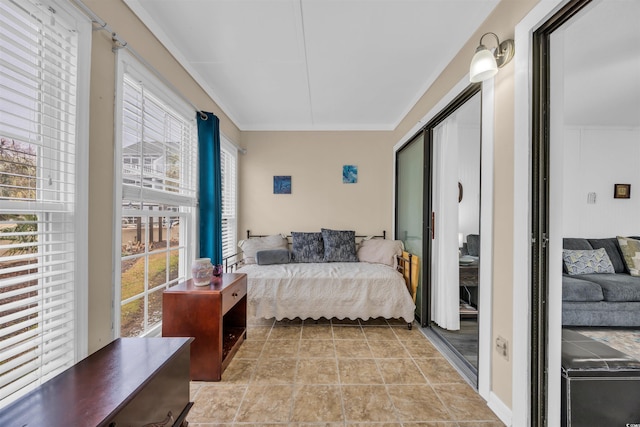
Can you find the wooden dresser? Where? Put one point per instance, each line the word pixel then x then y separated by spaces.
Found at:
pixel 129 382
pixel 215 315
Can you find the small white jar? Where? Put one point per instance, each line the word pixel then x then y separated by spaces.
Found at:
pixel 202 271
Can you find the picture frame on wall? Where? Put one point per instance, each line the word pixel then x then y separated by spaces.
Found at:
pixel 282 184
pixel 349 174
pixel 622 191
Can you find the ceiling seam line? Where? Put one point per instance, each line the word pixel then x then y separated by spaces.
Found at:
pixel 306 61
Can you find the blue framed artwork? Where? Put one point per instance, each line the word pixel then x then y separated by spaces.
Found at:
pixel 349 174
pixel 282 184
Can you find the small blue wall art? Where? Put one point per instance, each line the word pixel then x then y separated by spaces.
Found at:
pixel 282 184
pixel 349 174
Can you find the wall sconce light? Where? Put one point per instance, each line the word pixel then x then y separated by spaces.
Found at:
pixel 485 64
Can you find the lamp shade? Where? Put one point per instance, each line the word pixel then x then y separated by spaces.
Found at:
pixel 483 65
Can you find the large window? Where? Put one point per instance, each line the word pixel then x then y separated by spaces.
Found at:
pixel 42 208
pixel 158 154
pixel 228 162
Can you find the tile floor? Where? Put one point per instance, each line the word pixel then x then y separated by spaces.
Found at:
pixel 338 373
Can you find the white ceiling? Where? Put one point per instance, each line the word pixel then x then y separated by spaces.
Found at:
pixel 600 68
pixel 314 64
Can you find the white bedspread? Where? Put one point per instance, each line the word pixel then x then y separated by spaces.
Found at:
pixel 354 290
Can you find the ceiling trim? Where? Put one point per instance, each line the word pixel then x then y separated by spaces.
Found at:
pixel 165 40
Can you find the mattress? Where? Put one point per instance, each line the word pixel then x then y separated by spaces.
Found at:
pixel 353 290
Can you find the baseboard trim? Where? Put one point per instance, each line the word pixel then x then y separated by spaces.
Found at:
pixel 500 409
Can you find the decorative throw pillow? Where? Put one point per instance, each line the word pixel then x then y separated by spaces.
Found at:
pixel 251 246
pixel 339 246
pixel 631 254
pixel 587 261
pixel 273 256
pixel 307 247
pixel 380 251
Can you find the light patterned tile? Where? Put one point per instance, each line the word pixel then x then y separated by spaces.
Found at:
pixel 216 404
pixel 421 348
pixel 367 403
pixel 276 349
pixel 418 403
pixel 317 332
pixel 464 403
pixel 380 333
pixel 289 332
pixel 439 371
pixel 316 403
pixel 359 371
pixel 250 349
pixel 348 333
pixel 317 371
pixel 266 404
pixel 387 349
pixel 316 349
pixel 275 371
pixel 400 371
pixel 358 349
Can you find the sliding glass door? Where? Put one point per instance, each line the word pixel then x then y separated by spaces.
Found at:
pixel 409 206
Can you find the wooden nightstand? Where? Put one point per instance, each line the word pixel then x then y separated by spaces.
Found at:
pixel 215 315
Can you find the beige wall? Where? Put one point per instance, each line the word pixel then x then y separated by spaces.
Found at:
pixel 502 22
pixel 101 147
pixel 313 159
pixel 318 198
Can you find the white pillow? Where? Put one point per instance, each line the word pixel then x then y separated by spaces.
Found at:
pixel 251 246
pixel 380 251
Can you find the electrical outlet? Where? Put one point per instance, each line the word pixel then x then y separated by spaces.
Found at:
pixel 502 347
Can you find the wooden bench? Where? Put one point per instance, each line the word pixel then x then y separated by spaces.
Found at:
pixel 129 382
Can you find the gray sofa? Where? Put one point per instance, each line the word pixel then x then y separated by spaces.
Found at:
pixel 600 299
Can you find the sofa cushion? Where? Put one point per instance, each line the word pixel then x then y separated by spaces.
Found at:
pixel 616 287
pixel 576 243
pixel 586 261
pixel 630 249
pixel 613 250
pixel 473 245
pixel 307 247
pixel 574 289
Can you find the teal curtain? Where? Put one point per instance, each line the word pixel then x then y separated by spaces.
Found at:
pixel 210 185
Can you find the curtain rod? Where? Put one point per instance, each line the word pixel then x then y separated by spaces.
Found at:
pixel 120 43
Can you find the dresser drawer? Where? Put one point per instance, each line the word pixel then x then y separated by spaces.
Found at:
pixel 233 293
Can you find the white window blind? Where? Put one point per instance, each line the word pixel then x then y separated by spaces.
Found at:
pixel 158 150
pixel 38 155
pixel 228 162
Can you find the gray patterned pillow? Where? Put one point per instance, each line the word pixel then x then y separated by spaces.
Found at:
pixel 339 246
pixel 307 247
pixel 585 261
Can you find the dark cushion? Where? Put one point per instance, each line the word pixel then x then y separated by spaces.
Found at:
pixel 339 245
pixel 613 250
pixel 576 243
pixel 619 287
pixel 473 245
pixel 574 289
pixel 273 256
pixel 307 247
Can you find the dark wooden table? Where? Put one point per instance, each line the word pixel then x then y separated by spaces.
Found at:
pixel 129 382
pixel 215 315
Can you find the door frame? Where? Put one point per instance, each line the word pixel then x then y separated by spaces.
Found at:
pixel 486 230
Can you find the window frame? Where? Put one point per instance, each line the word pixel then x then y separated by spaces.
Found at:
pixel 232 150
pixel 126 63
pixel 78 22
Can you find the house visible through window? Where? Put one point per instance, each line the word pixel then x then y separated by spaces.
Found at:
pixel 41 207
pixel 158 149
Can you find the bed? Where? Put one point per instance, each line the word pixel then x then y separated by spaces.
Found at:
pixel 290 279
